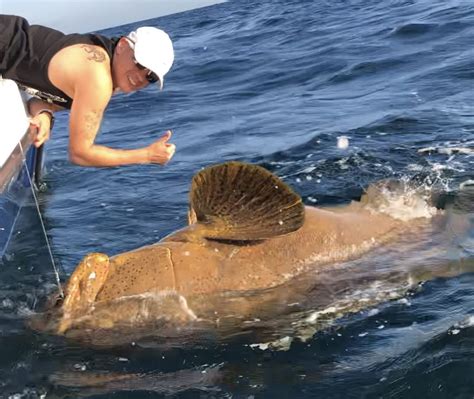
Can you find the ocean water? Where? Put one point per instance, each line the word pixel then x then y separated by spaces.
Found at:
pixel 332 96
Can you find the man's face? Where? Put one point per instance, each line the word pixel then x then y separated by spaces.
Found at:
pixel 128 76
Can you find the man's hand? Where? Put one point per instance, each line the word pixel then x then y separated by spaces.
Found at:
pixel 40 128
pixel 161 151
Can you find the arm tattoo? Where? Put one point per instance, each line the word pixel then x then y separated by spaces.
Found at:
pixel 94 53
pixel 92 123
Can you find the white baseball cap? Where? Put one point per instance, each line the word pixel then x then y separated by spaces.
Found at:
pixel 153 50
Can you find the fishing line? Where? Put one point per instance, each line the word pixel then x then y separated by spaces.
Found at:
pixel 32 185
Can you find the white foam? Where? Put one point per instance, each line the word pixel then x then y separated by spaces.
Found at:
pixel 27 393
pixel 401 210
pixel 313 317
pixel 469 322
pixel 282 344
pixel 447 150
pixel 466 183
pixel 456 328
pixel 342 142
pixel 373 312
pixel 403 203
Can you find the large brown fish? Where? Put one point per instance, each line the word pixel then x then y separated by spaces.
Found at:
pixel 248 232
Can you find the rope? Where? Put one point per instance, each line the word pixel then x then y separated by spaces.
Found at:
pixel 56 273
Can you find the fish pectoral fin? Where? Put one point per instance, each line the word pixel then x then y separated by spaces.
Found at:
pixel 83 287
pixel 243 202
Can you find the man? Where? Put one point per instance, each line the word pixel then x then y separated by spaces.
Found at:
pixel 81 72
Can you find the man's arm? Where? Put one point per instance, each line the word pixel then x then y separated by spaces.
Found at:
pixel 40 122
pixel 91 97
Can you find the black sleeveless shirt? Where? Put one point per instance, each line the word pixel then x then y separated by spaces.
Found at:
pixel 25 53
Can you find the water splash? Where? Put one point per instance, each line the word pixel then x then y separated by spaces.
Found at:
pixel 400 200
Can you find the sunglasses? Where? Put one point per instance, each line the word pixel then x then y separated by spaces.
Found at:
pixel 151 76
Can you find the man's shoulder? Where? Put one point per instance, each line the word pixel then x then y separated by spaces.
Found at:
pixel 94 53
pixel 83 60
pixel 84 54
pixel 82 65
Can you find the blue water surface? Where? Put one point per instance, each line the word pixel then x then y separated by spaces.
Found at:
pixel 274 83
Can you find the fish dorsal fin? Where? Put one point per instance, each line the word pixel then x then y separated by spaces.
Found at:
pixel 244 202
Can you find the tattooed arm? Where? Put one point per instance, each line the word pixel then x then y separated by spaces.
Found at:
pixel 89 103
pixel 92 93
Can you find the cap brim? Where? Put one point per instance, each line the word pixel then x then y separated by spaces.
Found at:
pixel 160 83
